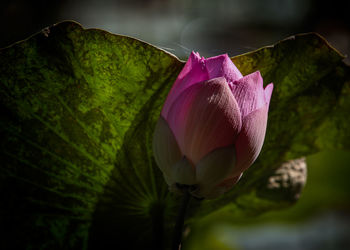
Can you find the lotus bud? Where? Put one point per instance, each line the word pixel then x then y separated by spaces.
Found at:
pixel 212 126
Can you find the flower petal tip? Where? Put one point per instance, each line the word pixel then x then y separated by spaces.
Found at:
pixel 249 93
pixel 256 77
pixel 195 56
pixel 222 65
pixel 268 92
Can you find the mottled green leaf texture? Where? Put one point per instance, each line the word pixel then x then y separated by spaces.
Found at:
pixel 78 109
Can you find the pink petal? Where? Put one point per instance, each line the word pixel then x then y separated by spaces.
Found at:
pixel 205 117
pixel 165 149
pixel 268 93
pixel 216 166
pixel 183 172
pixel 249 93
pixel 250 139
pixel 222 66
pixel 193 72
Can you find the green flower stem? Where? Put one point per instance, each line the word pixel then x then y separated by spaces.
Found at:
pixel 176 244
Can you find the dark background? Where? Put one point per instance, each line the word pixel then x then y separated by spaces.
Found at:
pixel 180 26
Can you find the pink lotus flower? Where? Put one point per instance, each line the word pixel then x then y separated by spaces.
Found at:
pixel 212 126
